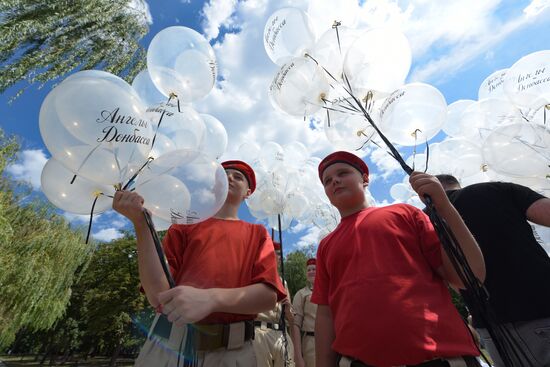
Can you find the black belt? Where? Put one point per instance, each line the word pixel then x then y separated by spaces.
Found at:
pixel 269 325
pixel 308 333
pixel 470 362
pixel 210 337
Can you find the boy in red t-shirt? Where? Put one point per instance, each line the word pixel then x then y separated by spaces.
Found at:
pixel 225 271
pixel 381 281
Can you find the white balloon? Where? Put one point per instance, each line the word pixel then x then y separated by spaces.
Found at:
pixel 271 155
pixel 520 150
pixel 215 139
pixel 378 61
pixel 273 222
pixel 493 86
pixel 75 196
pixel 451 126
pixel 288 33
pixel 201 181
pixel 273 201
pixel 300 87
pixel 182 62
pixel 413 114
pixel 167 197
pixel 250 153
pixel 481 117
pixel 347 131
pixel 182 125
pixel 146 89
pixel 459 157
pixel 103 162
pixel 527 82
pixel 295 155
pixel 331 48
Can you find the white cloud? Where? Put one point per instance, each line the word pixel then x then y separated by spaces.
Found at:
pixel 142 9
pixel 474 33
pixel 108 234
pixel 29 167
pixel 536 7
pixel 78 218
pixel 460 30
pixel 309 239
pixel 217 13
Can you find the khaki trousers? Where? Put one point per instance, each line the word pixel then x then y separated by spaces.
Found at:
pixel 269 348
pixel 161 352
pixel 308 350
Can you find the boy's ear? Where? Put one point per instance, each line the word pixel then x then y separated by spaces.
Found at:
pixel 365 180
pixel 248 193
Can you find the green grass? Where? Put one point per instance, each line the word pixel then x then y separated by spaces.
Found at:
pixel 29 360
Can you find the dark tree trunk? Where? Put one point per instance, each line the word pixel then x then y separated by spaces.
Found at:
pixel 114 357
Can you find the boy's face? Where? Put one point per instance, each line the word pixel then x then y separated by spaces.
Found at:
pixel 311 273
pixel 344 185
pixel 238 185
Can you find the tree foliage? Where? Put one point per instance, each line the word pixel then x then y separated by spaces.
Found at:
pixel 39 257
pixel 295 270
pixel 44 40
pixel 114 307
pixel 107 314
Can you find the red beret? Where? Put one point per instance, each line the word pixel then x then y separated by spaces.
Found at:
pixel 277 246
pixel 343 157
pixel 311 262
pixel 245 169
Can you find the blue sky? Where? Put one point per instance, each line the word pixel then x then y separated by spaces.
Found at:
pixel 455 44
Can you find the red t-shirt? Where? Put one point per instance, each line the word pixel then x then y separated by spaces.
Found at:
pixel 376 272
pixel 220 253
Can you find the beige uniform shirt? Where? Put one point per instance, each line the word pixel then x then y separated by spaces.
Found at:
pixel 305 311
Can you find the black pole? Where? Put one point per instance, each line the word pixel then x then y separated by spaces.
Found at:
pixel 283 320
pixel 158 247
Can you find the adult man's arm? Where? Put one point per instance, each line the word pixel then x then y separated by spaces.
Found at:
pixel 324 336
pixel 539 212
pixel 186 305
pixel 425 184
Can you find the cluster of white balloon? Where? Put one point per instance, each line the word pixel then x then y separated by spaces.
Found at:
pixel 287 186
pixel 503 136
pixel 353 73
pixel 372 64
pixel 104 134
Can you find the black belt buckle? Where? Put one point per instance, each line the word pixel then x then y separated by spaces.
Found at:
pixel 163 327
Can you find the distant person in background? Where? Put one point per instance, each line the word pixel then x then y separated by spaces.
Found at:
pixel 303 329
pixel 269 342
pixel 518 268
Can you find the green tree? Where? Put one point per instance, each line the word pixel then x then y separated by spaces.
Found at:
pixel 114 307
pixel 40 257
pixel 295 271
pixel 44 40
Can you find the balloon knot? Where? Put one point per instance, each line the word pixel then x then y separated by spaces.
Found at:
pixel 336 23
pixel 118 186
pixel 484 168
pixel 173 95
pixel 414 133
pixel 97 193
